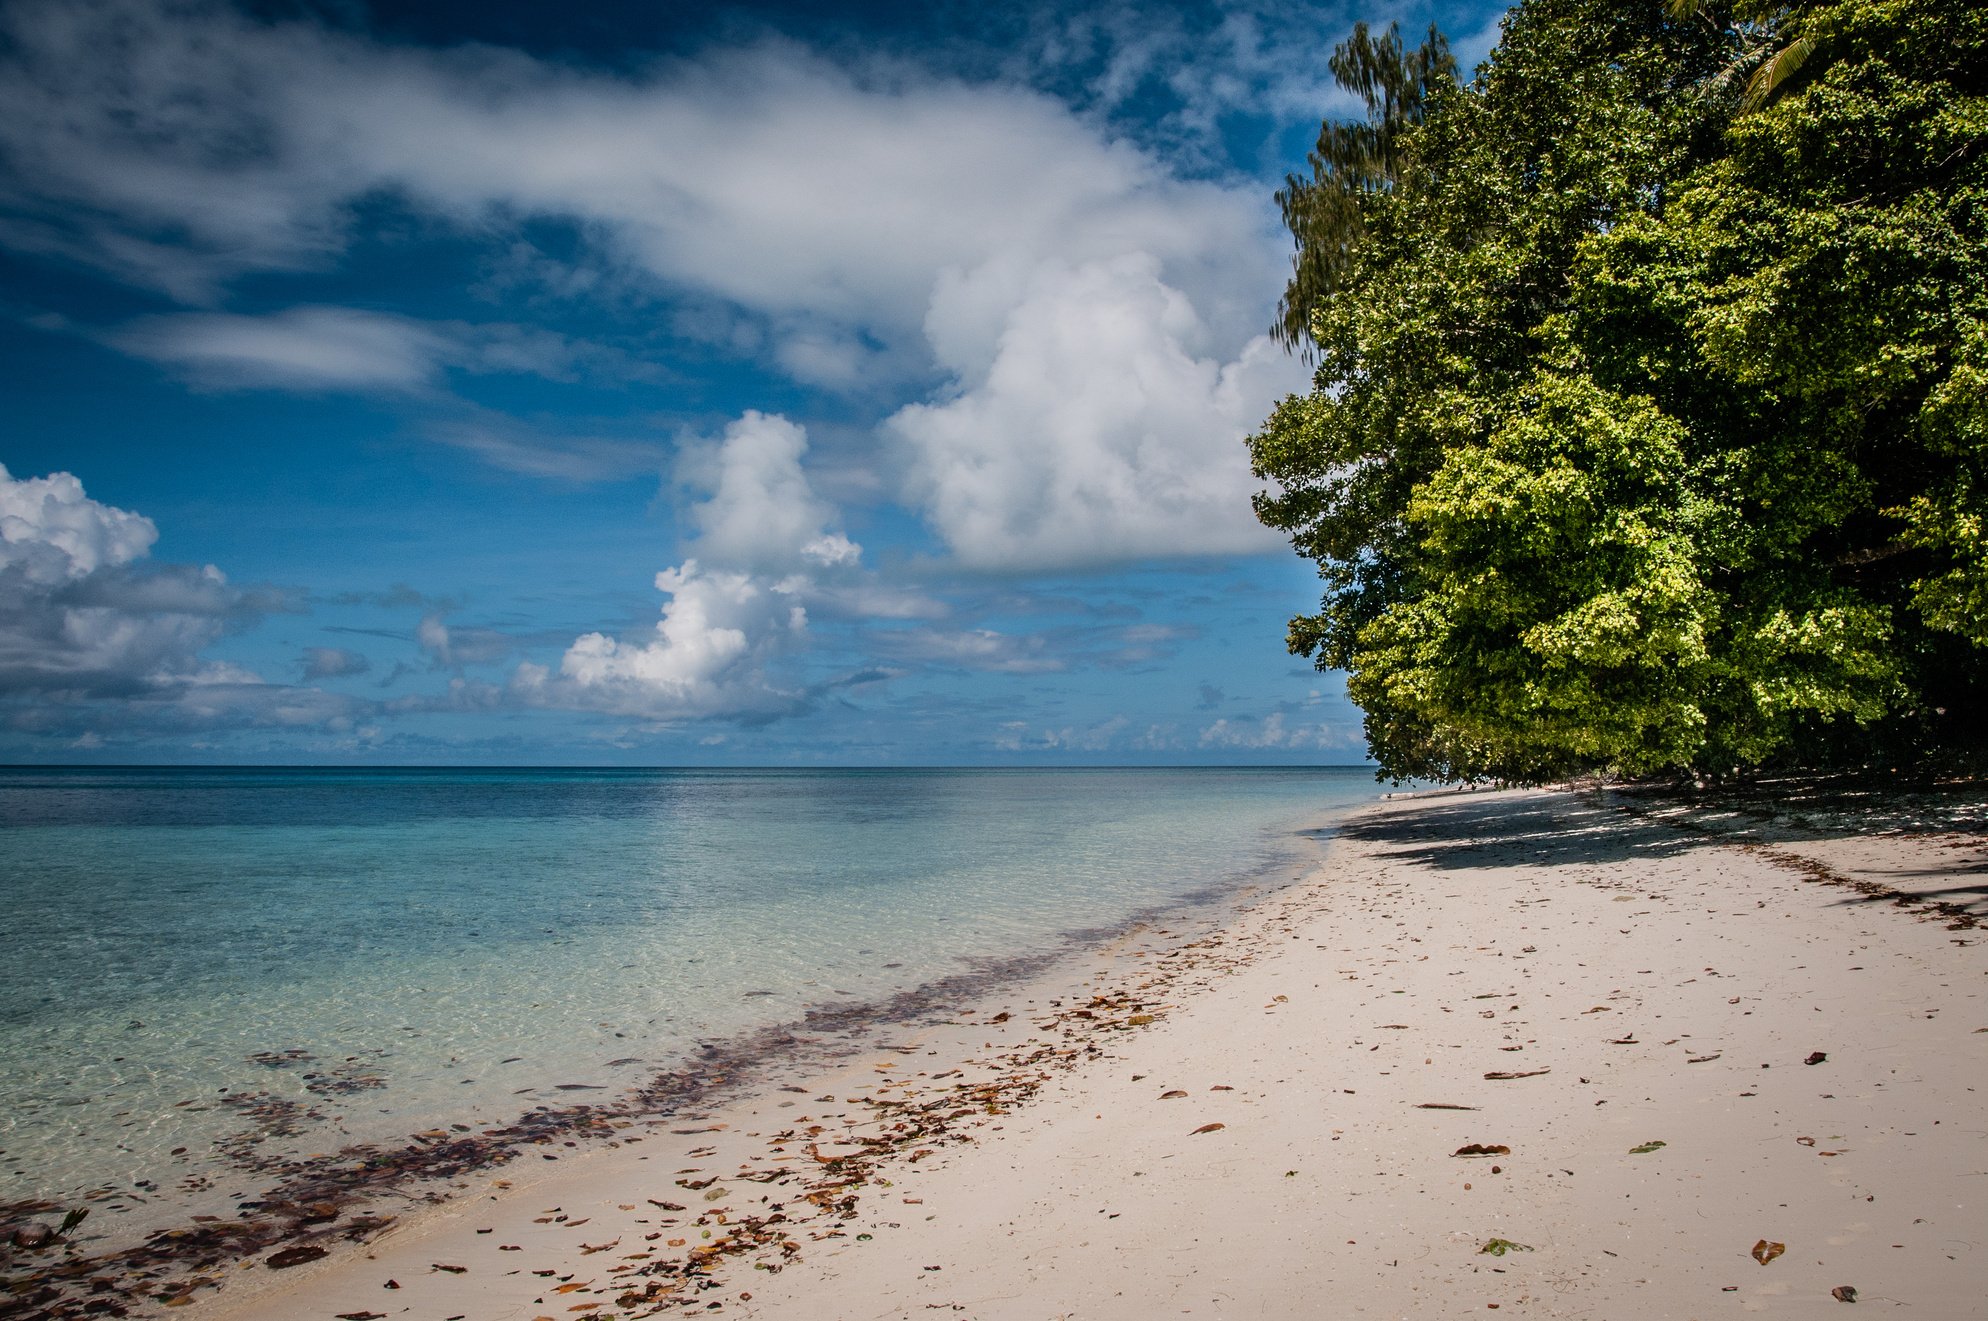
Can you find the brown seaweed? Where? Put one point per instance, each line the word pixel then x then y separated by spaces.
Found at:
pixel 316 1201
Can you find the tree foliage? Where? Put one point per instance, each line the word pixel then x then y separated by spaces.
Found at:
pixel 1352 160
pixel 1650 424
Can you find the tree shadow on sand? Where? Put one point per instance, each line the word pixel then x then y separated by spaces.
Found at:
pixel 1465 831
pixel 1775 808
pixel 1969 899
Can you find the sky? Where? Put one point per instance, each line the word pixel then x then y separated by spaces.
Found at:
pixel 652 384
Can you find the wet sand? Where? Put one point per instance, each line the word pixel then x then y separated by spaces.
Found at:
pixel 1276 1118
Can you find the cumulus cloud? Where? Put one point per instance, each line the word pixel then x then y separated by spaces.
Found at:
pixel 90 631
pixel 51 533
pixel 759 511
pixel 73 617
pixel 1091 430
pixel 764 546
pixel 706 657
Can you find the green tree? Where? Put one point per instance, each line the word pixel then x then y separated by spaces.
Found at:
pixel 1649 434
pixel 1351 160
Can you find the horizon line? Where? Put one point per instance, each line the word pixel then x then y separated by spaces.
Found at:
pixel 682 766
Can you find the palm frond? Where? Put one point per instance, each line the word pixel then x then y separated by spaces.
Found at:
pixel 1770 77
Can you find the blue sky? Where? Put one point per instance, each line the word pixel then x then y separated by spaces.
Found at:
pixel 472 383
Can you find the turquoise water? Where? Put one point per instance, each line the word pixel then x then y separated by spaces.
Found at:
pixel 206 972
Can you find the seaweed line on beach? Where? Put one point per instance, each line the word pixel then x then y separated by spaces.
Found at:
pixel 827 1173
pixel 1958 917
pixel 320 1202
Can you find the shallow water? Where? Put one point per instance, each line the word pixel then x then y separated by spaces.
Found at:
pixel 204 973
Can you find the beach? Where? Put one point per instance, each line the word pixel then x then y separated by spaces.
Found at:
pixel 263 1013
pixel 1544 1053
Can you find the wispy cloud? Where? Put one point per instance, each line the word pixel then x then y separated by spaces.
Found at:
pixel 319 348
pixel 453 648
pixel 305 348
pixel 984 649
pixel 1092 312
pixel 549 450
pixel 1100 736
pixel 1272 731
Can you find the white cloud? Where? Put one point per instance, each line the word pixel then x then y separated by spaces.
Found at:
pixel 71 618
pixel 93 636
pixel 311 348
pixel 1094 431
pixel 514 446
pixel 760 511
pixel 837 361
pixel 319 349
pixel 972 649
pixel 1015 736
pixel 1272 732
pixel 198 144
pixel 764 547
pixel 1056 649
pixel 858 224
pixel 706 658
pixel 1195 66
pixel 344 348
pixel 238 697
pixel 52 533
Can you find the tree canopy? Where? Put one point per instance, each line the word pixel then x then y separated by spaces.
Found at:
pixel 1649 431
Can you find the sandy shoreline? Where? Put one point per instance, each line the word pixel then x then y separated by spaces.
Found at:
pixel 1652 984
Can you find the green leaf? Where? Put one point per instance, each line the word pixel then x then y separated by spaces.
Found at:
pixel 1648 436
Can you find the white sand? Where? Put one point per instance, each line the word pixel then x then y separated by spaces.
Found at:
pixel 1445 937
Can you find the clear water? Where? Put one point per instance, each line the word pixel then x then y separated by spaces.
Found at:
pixel 385 951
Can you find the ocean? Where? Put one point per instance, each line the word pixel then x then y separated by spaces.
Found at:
pixel 209 976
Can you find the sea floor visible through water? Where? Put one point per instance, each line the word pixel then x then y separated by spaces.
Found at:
pixel 223 990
